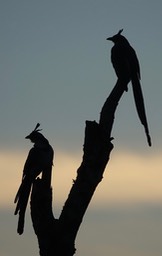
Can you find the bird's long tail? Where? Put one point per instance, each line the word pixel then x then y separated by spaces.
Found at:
pixel 139 102
pixel 21 199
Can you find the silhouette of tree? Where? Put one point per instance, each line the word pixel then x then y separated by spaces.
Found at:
pixel 57 236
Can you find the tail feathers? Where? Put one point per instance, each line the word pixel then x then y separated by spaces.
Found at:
pixel 22 201
pixel 139 102
pixel 21 221
pixel 17 208
pixel 18 193
pixel 19 196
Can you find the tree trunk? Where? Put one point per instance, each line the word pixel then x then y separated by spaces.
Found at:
pixel 56 237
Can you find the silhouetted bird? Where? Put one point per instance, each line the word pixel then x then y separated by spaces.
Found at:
pixel 40 159
pixel 126 65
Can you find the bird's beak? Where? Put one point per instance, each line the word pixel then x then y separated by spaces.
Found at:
pixel 27 137
pixel 109 38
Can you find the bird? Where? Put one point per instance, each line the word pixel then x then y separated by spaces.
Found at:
pixel 39 160
pixel 127 68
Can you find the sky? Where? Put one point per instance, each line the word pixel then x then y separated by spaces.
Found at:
pixel 56 70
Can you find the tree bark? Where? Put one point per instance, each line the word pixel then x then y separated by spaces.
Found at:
pixel 56 237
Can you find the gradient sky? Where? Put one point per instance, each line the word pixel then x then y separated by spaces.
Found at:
pixel 56 70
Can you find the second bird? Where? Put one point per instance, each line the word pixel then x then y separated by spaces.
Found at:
pixel 39 160
pixel 126 65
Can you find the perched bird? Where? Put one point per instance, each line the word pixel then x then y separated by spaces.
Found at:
pixel 39 160
pixel 126 65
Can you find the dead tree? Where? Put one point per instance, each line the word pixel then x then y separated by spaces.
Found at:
pixel 56 237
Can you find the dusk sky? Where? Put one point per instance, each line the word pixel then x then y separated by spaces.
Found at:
pixel 56 70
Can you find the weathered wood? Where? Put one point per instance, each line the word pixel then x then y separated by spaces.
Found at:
pixel 57 237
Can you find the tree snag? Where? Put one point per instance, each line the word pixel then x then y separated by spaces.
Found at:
pixel 56 237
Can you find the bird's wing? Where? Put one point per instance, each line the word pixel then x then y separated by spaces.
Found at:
pixel 120 62
pixel 133 60
pixel 29 169
pixel 32 166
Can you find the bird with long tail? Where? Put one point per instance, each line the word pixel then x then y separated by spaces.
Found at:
pixel 126 65
pixel 39 160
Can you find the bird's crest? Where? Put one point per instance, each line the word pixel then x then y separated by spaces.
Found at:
pixel 120 31
pixel 36 128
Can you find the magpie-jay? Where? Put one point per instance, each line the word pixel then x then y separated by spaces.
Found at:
pixel 126 65
pixel 39 160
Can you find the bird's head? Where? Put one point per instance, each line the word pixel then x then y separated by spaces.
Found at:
pixel 35 135
pixel 116 38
